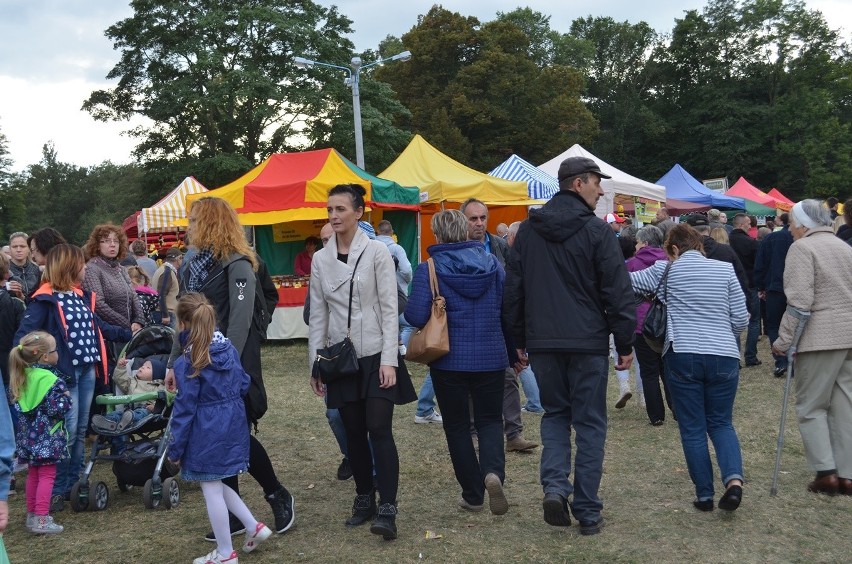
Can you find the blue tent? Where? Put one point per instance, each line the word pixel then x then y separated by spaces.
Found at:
pixel 540 185
pixel 680 185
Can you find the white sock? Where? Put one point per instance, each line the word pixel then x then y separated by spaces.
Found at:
pixel 238 507
pixel 217 512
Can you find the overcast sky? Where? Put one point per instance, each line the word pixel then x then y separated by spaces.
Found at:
pixel 53 54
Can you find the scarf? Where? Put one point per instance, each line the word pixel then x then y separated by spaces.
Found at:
pixel 199 267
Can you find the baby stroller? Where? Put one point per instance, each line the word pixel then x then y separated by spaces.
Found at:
pixel 143 461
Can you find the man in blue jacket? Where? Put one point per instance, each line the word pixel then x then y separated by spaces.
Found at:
pixel 567 290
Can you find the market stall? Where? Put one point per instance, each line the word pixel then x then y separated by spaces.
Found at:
pixel 284 198
pixel 445 183
pixel 621 183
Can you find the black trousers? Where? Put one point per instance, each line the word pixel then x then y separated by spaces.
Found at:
pixel 369 422
pixel 651 371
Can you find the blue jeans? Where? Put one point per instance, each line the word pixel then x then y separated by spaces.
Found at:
pixel 703 388
pixel 426 397
pixel 573 394
pixel 337 429
pixel 753 303
pixel 76 423
pixel 138 414
pixel 530 387
pixel 405 330
pixel 458 392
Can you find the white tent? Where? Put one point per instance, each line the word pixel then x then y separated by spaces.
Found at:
pixel 171 208
pixel 621 182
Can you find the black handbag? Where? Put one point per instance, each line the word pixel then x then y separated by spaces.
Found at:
pixel 654 326
pixel 339 360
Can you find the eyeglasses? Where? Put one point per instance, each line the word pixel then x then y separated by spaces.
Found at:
pixel 109 241
pixel 53 351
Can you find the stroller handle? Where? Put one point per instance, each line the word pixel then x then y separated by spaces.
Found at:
pixel 109 399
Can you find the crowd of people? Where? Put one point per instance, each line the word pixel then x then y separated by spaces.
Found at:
pixel 67 312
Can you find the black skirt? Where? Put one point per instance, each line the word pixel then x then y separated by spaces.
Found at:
pixel 365 385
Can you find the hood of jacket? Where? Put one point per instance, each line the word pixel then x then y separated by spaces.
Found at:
pixel 645 258
pixel 465 267
pixel 220 355
pixel 39 383
pixel 561 217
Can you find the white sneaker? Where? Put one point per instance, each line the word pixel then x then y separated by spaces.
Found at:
pixel 433 417
pixel 253 540
pixel 216 558
pixel 44 525
pixel 31 519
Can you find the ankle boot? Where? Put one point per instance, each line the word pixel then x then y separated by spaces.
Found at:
pixel 283 508
pixel 363 509
pixel 385 522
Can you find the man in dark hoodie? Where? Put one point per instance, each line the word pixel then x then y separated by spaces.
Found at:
pixel 567 290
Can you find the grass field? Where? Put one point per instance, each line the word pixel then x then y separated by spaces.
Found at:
pixel 646 492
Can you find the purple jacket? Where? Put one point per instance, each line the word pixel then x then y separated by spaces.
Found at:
pixel 644 258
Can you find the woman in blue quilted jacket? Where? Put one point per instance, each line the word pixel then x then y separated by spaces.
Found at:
pixel 471 375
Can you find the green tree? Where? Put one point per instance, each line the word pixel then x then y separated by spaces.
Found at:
pixel 482 92
pixel 217 83
pixel 759 89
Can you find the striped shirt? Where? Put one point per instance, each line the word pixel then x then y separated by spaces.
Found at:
pixel 705 303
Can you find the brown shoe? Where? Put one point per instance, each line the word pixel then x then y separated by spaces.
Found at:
pixel 520 444
pixel 827 485
pixel 845 486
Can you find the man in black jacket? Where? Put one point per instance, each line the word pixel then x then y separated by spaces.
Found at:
pixel 746 249
pixel 769 280
pixel 567 290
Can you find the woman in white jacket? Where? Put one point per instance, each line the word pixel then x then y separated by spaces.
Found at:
pixel 365 401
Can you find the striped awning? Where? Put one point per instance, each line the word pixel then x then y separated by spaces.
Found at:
pixel 172 208
pixel 540 185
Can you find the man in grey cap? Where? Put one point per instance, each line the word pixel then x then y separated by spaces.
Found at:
pixel 566 291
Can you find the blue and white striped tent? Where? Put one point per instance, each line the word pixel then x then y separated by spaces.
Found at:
pixel 540 185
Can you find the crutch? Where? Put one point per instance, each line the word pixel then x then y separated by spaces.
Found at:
pixel 801 318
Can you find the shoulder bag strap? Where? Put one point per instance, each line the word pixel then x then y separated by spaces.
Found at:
pixel 351 284
pixel 433 279
pixel 664 283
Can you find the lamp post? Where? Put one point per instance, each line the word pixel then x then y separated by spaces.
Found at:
pixel 352 81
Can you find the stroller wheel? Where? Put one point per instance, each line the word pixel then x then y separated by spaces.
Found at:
pixel 99 497
pixel 171 491
pixel 151 500
pixel 79 496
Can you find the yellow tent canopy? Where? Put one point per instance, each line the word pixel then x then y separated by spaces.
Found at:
pixel 442 179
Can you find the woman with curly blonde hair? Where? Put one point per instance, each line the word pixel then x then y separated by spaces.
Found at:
pixel 226 270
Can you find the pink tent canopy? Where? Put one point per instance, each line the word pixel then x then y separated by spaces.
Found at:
pixel 779 196
pixel 743 189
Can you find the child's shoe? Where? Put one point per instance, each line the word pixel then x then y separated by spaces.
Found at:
pixel 30 520
pixel 44 525
pixel 253 539
pixel 216 558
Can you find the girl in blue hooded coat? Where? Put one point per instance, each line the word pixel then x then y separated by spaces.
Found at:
pixel 210 433
pixel 40 402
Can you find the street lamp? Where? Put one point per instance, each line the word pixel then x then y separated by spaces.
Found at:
pixel 352 81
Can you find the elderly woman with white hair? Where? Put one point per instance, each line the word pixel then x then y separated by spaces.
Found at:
pixel 817 277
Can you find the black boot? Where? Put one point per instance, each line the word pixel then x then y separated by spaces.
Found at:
pixel 283 508
pixel 385 522
pixel 363 509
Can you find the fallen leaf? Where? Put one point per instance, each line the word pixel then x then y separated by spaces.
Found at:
pixel 433 535
pixel 310 486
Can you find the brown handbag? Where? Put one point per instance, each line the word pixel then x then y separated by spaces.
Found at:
pixel 432 341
